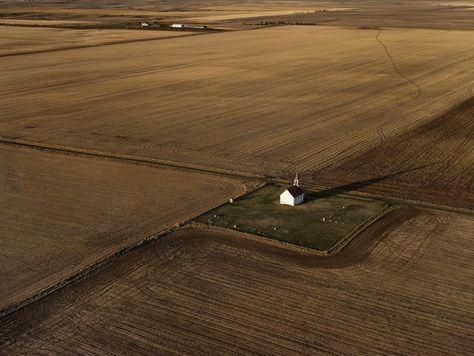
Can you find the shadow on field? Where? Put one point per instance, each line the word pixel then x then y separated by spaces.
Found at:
pixel 356 185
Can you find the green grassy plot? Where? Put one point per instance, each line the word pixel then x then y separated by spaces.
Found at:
pixel 319 223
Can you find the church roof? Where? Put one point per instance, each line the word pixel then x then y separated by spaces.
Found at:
pixel 295 191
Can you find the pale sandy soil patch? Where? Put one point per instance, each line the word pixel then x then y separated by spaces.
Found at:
pixel 458 3
pixel 211 13
pixel 213 17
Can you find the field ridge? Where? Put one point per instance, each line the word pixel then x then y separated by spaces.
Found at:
pixel 125 157
pixel 120 42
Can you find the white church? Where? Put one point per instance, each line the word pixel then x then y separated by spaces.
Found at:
pixel 293 195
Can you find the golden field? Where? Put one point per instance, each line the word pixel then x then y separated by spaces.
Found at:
pixel 268 101
pixel 60 214
pixel 111 138
pixel 15 40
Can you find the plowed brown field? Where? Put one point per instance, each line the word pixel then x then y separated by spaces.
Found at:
pixel 268 101
pixel 60 214
pixel 403 287
pixel 238 13
pixel 434 162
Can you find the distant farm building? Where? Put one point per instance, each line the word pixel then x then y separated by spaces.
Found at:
pixel 293 195
pixel 199 27
pixel 187 26
pixel 144 24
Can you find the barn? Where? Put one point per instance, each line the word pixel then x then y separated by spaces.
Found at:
pixel 293 195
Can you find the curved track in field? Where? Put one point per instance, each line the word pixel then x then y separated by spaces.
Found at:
pixel 432 163
pixel 65 214
pixel 203 290
pixel 395 67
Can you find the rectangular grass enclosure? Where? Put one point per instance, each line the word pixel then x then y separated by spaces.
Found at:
pixel 320 222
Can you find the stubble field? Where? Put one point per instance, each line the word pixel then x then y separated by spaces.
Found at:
pixel 60 214
pixel 269 101
pixel 237 14
pixel 95 17
pixel 16 40
pixel 395 289
pixel 434 162
pixel 403 14
pixel 386 110
pixel 100 14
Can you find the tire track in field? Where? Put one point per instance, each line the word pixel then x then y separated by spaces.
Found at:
pixel 470 93
pixel 381 133
pixel 438 228
pixel 395 67
pixel 400 256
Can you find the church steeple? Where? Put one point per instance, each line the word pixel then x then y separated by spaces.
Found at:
pixel 296 181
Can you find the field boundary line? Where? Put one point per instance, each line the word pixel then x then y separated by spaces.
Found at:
pixel 99 45
pixel 421 204
pixel 84 152
pixel 246 192
pixel 148 237
pixel 359 229
pixel 81 274
pixel 297 248
pixel 339 246
pixel 187 167
pixel 260 238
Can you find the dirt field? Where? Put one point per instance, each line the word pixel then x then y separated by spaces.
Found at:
pixel 20 40
pixel 60 214
pixel 434 162
pixel 405 290
pixel 233 14
pixel 323 96
pixel 104 17
pixel 418 14
pixel 361 98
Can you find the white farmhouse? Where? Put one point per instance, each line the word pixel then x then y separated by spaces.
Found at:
pixel 294 195
pixel 177 25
